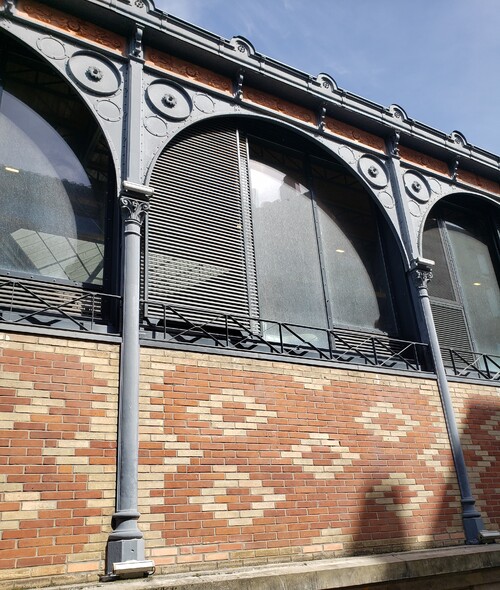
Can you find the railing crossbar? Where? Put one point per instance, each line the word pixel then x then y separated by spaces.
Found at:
pixel 287 339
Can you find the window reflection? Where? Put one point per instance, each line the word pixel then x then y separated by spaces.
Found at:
pixel 303 216
pixel 460 238
pixel 53 222
pixel 288 272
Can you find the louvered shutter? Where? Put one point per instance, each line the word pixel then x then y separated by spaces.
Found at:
pixel 195 241
pixel 451 327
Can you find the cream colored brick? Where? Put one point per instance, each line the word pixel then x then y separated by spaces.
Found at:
pixel 15 493
pixel 189 453
pixel 225 468
pixel 202 499
pixel 237 521
pixel 18 515
pixel 39 505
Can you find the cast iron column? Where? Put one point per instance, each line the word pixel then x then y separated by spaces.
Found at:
pixel 471 518
pixel 125 549
pixel 420 270
pixel 126 542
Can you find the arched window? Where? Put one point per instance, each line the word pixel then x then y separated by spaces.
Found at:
pixel 249 219
pixel 461 236
pixel 54 167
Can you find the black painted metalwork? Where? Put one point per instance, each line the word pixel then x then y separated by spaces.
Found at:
pixel 468 363
pixel 196 327
pixel 58 306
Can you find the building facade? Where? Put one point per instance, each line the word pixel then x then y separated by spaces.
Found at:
pixel 247 317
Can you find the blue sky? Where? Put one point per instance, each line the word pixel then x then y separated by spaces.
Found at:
pixel 438 59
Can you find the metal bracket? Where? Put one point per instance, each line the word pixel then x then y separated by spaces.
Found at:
pixel 322 117
pixel 394 144
pixel 454 169
pixel 136 48
pixel 9 7
pixel 238 91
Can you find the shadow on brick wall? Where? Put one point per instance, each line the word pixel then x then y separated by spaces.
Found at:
pixel 480 436
pixel 381 525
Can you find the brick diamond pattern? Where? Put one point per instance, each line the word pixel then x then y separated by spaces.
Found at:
pixel 258 461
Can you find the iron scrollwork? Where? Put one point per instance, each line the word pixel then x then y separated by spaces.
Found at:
pixel 133 210
pixel 422 277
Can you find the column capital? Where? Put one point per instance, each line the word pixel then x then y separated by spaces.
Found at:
pixel 134 201
pixel 421 272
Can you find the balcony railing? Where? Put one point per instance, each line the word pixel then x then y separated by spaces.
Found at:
pixel 196 327
pixel 471 364
pixel 58 306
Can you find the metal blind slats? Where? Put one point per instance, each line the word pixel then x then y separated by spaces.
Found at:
pixel 451 326
pixel 196 252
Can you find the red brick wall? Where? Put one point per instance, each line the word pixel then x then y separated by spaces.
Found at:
pixel 57 457
pixel 253 461
pixel 477 409
pixel 242 462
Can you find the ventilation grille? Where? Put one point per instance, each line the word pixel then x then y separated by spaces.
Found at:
pixel 196 254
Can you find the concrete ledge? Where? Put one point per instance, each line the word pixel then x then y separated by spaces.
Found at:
pixel 396 570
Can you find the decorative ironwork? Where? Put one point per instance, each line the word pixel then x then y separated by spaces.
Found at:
pixel 196 327
pixel 169 100
pixel 394 144
pixel 322 117
pixel 238 93
pixel 133 209
pixel 468 363
pixel 136 46
pixel 94 73
pixel 57 306
pixel 454 169
pixel 422 276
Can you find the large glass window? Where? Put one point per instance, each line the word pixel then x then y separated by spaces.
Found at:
pixel 53 176
pixel 318 252
pixel 286 250
pixel 462 237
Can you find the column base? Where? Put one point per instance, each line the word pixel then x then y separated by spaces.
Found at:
pixel 125 548
pixel 472 529
pixel 472 521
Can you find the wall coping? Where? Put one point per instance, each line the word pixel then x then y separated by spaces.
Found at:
pixel 325 573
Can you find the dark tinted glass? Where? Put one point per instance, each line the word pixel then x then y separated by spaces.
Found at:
pixel 53 175
pixel 433 248
pixel 354 262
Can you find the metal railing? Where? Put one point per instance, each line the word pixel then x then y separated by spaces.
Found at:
pixel 198 327
pixel 468 363
pixel 58 306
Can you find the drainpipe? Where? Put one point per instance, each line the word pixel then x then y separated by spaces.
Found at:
pixel 420 271
pixel 125 547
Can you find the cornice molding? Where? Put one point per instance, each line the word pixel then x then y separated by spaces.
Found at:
pixel 306 91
